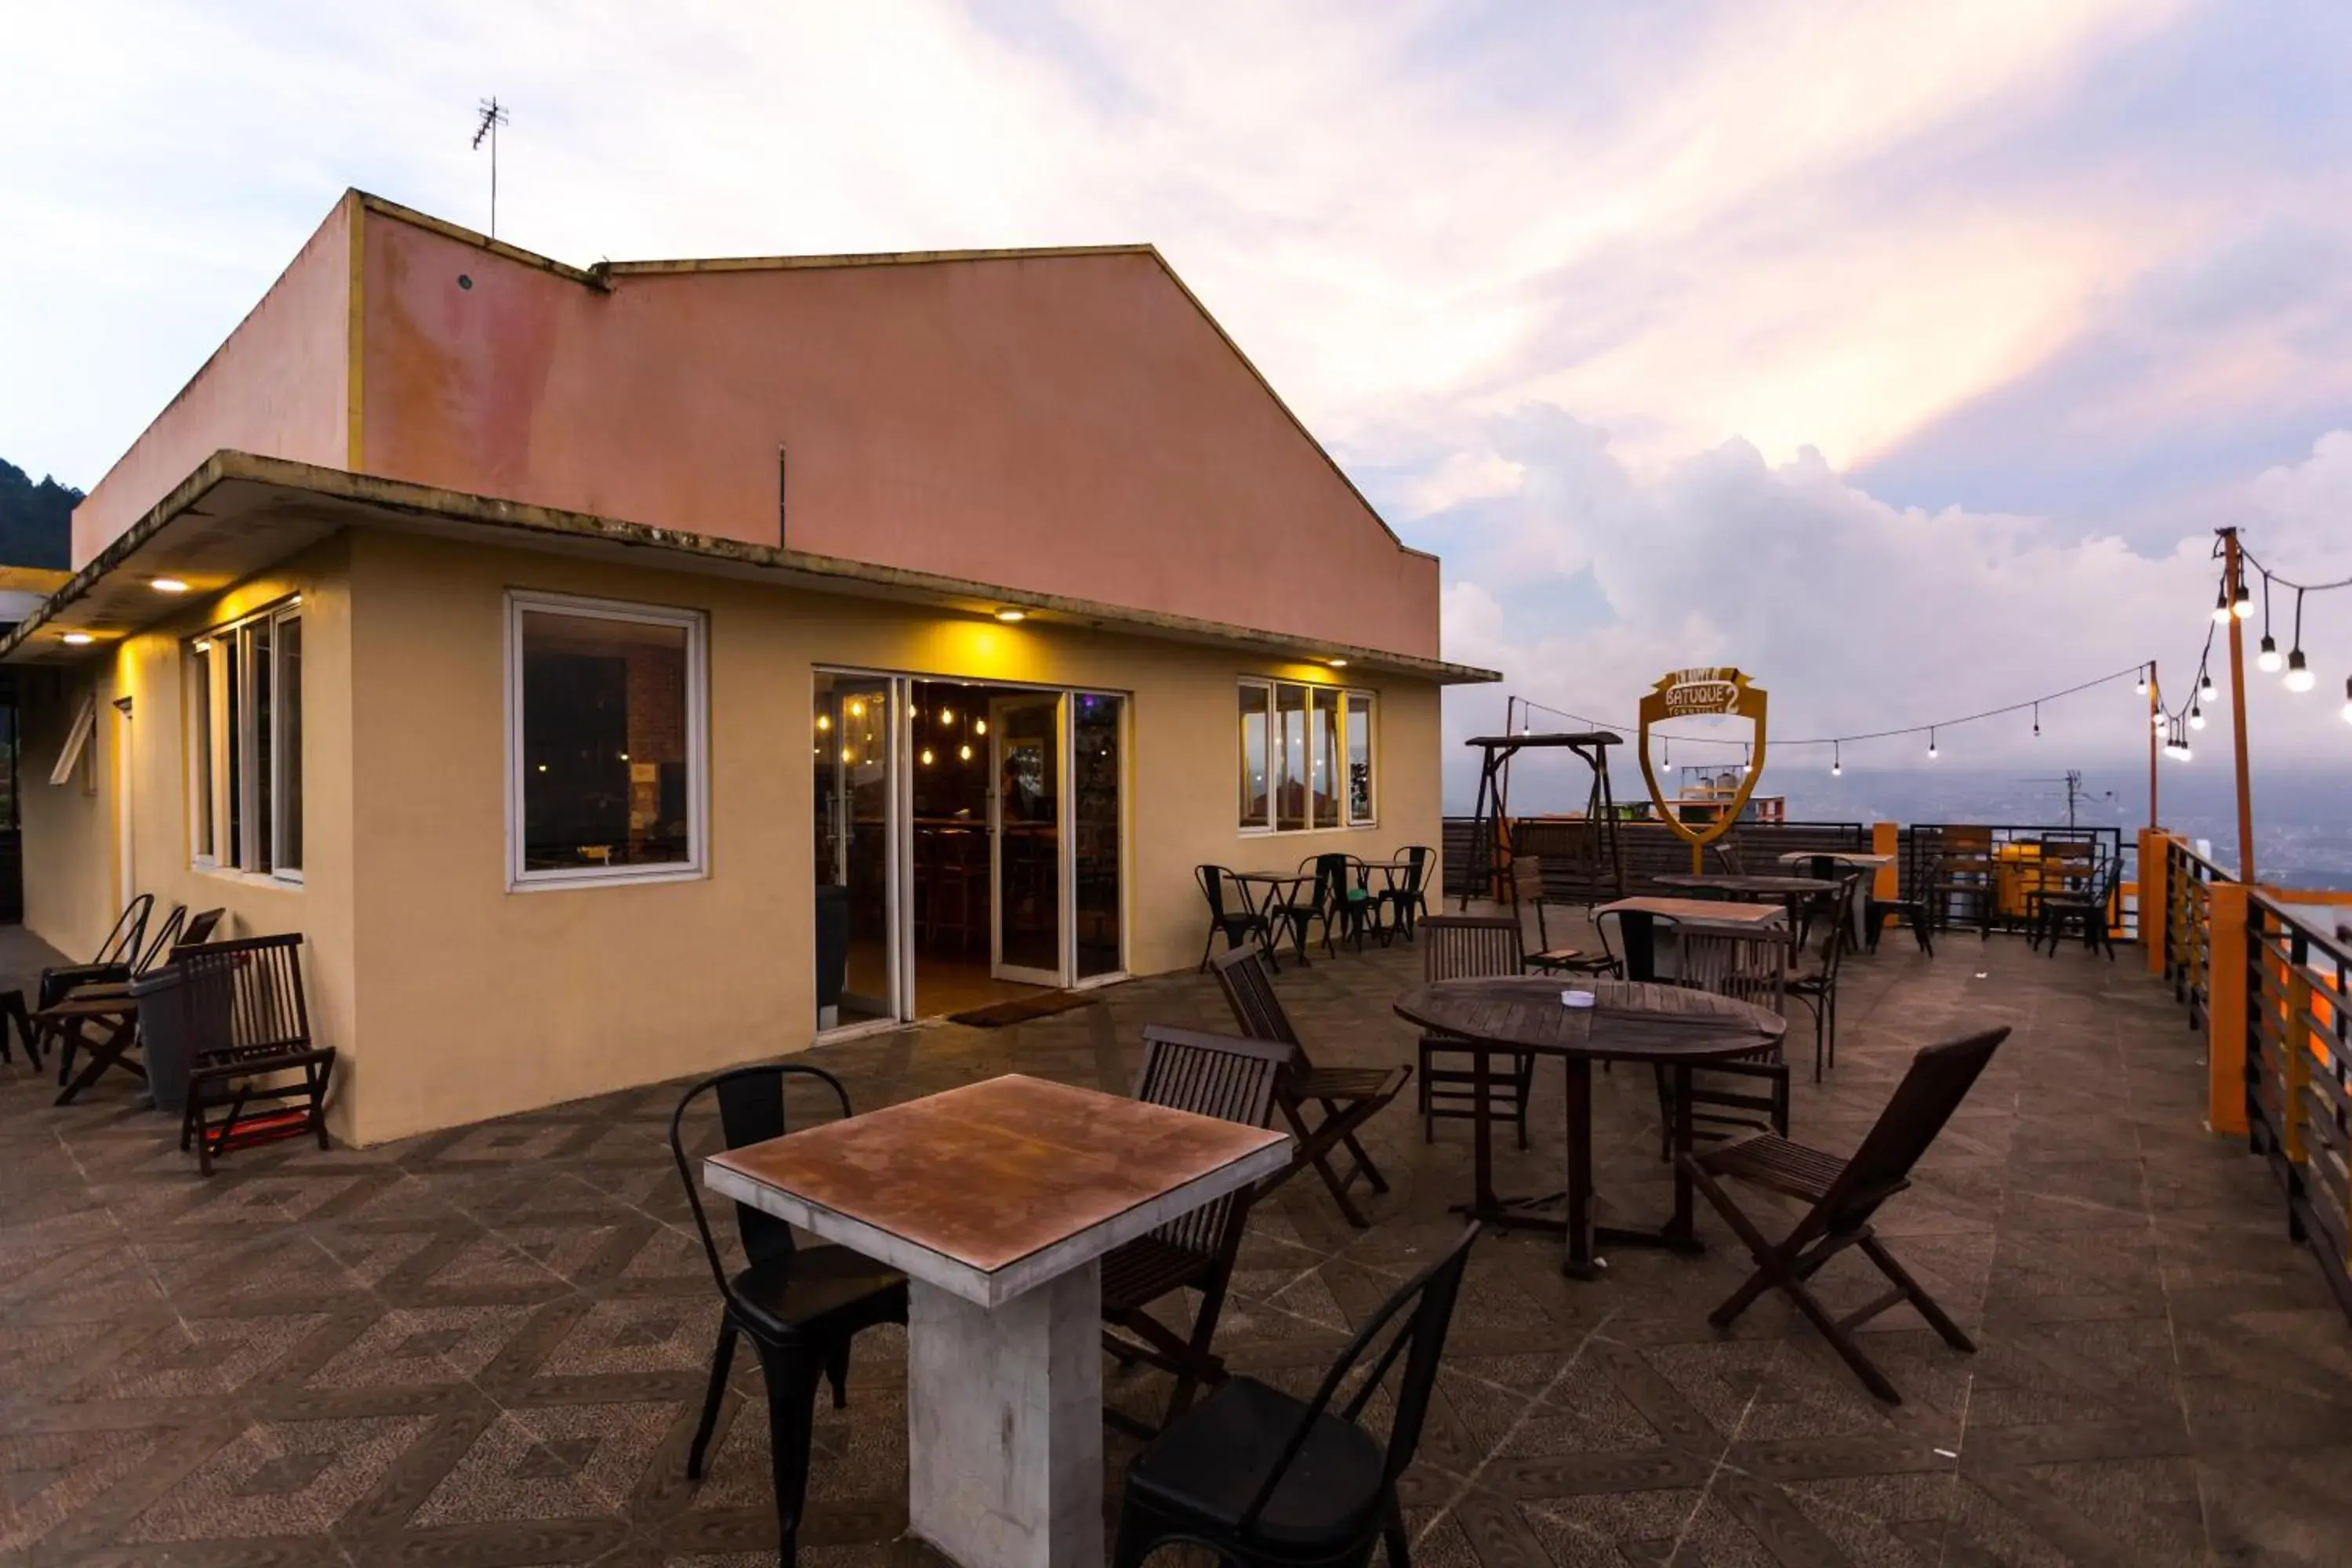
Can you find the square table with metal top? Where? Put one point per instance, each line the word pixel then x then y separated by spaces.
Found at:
pixel 1794 893
pixel 1639 919
pixel 999 1200
pixel 1668 1026
pixel 1826 863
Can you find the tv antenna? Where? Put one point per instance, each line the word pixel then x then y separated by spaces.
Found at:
pixel 2076 794
pixel 493 115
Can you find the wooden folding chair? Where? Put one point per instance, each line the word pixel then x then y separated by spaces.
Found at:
pixel 1208 1074
pixel 1347 1097
pixel 1844 1195
pixel 249 1027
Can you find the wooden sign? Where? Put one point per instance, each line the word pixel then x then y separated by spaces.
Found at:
pixel 1718 691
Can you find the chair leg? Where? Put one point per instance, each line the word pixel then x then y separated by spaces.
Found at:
pixel 1393 1538
pixel 722 1358
pixel 837 1372
pixel 1428 1108
pixel 792 1373
pixel 1937 1318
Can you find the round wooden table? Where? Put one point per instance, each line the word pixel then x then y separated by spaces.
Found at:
pixel 1634 1021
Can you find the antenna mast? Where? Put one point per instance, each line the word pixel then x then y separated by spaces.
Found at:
pixel 493 115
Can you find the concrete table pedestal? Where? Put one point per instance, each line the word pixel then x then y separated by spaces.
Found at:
pixel 1005 1407
pixel 999 1201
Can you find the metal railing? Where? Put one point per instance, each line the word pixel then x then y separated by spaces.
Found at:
pixel 2015 877
pixel 2298 1073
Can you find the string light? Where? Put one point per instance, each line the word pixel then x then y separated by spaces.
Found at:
pixel 2348 700
pixel 2196 718
pixel 2243 605
pixel 2268 661
pixel 2298 672
pixel 2037 720
pixel 2222 607
pixel 2204 687
pixel 1837 760
pixel 2139 686
pixel 1931 742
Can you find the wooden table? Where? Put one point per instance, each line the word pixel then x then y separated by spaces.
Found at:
pixel 1630 1021
pixel 1793 892
pixel 999 1200
pixel 1640 916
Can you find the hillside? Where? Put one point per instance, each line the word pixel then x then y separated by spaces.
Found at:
pixel 35 520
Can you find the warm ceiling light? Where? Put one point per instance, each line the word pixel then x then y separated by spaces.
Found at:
pixel 1338 664
pixel 77 639
pixel 825 721
pixel 203 645
pixel 964 752
pixel 980 726
pixel 1008 616
pixel 168 586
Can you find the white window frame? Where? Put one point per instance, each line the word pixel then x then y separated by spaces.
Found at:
pixel 1318 695
pixel 246 742
pixel 696 626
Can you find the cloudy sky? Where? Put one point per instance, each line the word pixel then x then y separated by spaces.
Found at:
pixel 1904 355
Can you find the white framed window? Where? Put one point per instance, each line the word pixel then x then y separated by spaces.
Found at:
pixel 242 703
pixel 1306 755
pixel 606 742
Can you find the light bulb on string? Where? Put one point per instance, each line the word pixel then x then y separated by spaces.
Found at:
pixel 2348 700
pixel 2161 722
pixel 2269 660
pixel 1837 760
pixel 2205 687
pixel 2037 720
pixel 2298 672
pixel 2139 686
pixel 2222 607
pixel 2243 605
pixel 1931 743
pixel 2196 718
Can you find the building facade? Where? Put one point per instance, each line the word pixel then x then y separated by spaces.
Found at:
pixel 623 672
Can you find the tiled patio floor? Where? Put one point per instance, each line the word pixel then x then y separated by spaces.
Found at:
pixel 486 1346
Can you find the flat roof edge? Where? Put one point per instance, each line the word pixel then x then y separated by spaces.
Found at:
pixel 525 518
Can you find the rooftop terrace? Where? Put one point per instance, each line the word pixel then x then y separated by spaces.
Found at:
pixel 486 1345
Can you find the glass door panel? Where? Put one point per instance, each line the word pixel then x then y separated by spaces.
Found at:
pixel 1096 756
pixel 1026 834
pixel 857 815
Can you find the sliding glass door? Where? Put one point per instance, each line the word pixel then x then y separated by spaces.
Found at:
pixel 859 954
pixel 1025 829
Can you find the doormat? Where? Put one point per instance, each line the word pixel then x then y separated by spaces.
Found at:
pixel 1020 1009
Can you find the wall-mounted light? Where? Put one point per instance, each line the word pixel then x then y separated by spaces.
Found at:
pixel 1339 663
pixel 169 586
pixel 203 645
pixel 1009 614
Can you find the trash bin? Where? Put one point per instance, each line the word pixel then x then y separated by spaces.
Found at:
pixel 167 1034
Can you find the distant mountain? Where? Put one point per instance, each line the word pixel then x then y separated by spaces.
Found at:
pixel 35 520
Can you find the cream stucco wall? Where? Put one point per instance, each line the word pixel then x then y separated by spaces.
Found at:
pixel 72 839
pixel 479 1001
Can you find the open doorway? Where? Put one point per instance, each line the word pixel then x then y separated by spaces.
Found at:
pixel 969 843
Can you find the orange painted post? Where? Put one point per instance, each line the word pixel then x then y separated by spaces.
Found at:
pixel 2225 1008
pixel 2153 894
pixel 1885 883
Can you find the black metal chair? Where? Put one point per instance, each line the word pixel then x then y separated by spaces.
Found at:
pixel 2090 908
pixel 249 1046
pixel 1208 1074
pixel 1267 1480
pixel 114 956
pixel 1462 947
pixel 1844 1193
pixel 1816 985
pixel 1910 903
pixel 108 1004
pixel 1409 897
pixel 1236 925
pixel 1347 1097
pixel 800 1306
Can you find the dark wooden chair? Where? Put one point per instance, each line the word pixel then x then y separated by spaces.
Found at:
pixel 1461 947
pixel 1345 1098
pixel 1208 1074
pixel 1407 894
pixel 2091 907
pixel 247 1028
pixel 1816 983
pixel 1232 915
pixel 2067 865
pixel 1266 1480
pixel 1748 1091
pixel 1844 1195
pixel 799 1306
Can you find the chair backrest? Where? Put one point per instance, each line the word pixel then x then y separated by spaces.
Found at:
pixel 751 1111
pixel 170 935
pixel 1248 986
pixel 200 928
pixel 1208 1074
pixel 1466 947
pixel 1728 855
pixel 1425 1303
pixel 1747 963
pixel 1840 922
pixel 244 997
pixel 122 944
pixel 1331 877
pixel 1940 1077
pixel 1966 850
pixel 2068 865
pixel 1213 879
pixel 1415 859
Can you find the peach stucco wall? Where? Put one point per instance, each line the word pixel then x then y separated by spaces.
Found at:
pixel 1068 424
pixel 279 386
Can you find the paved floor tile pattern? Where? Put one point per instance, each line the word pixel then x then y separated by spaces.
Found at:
pixel 486 1346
